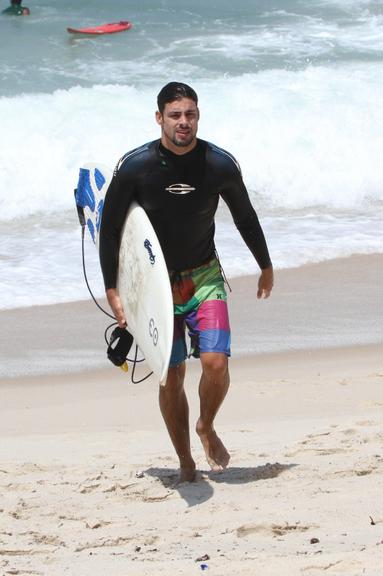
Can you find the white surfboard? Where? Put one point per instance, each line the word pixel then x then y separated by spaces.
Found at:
pixel 143 280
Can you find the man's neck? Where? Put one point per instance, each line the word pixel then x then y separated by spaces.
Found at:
pixel 178 150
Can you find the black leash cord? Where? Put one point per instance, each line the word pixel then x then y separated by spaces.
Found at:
pixel 86 277
pixel 135 360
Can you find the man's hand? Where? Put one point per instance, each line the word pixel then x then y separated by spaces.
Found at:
pixel 114 301
pixel 265 283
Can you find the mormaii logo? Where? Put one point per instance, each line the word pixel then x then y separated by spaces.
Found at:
pixel 148 247
pixel 180 189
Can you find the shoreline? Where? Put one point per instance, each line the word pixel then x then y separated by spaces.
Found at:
pixel 106 399
pixel 330 304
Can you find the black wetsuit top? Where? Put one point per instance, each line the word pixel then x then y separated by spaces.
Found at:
pixel 180 195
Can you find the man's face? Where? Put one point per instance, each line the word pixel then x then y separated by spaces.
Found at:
pixel 179 124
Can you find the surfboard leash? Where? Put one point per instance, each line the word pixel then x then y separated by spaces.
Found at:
pixel 120 341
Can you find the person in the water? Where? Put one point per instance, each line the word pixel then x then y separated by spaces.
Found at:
pixel 16 9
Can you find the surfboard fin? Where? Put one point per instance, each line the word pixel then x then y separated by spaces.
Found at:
pixel 119 345
pixel 80 211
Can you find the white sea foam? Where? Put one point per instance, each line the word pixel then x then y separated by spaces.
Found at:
pixel 304 138
pixel 310 38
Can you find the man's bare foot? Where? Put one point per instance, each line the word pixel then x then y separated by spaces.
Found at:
pixel 216 454
pixel 187 475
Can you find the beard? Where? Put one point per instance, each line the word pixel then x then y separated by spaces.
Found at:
pixel 184 142
pixel 178 139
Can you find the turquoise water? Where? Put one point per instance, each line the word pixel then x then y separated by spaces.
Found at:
pixel 200 40
pixel 294 89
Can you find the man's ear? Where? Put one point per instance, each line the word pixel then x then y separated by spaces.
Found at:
pixel 159 118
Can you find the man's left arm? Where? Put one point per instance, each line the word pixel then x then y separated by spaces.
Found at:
pixel 252 234
pixel 246 220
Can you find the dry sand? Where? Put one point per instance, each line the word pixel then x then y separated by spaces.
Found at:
pixel 87 472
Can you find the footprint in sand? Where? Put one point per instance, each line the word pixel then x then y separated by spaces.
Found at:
pixel 271 529
pixel 88 488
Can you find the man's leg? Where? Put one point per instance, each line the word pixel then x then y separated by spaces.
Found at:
pixel 175 411
pixel 213 388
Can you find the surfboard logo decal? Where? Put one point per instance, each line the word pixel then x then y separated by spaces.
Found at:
pixel 153 331
pixel 148 247
pixel 180 188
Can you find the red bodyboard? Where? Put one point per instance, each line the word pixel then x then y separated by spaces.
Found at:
pixel 111 28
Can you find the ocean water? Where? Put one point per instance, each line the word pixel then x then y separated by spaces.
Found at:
pixel 293 88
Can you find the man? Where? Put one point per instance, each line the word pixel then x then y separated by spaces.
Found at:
pixel 178 180
pixel 16 9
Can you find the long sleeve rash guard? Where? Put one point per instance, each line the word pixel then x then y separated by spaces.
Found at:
pixel 180 195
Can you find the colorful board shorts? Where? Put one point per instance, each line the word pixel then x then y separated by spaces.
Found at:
pixel 200 305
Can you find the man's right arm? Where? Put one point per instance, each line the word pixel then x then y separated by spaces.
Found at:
pixel 115 303
pixel 117 201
